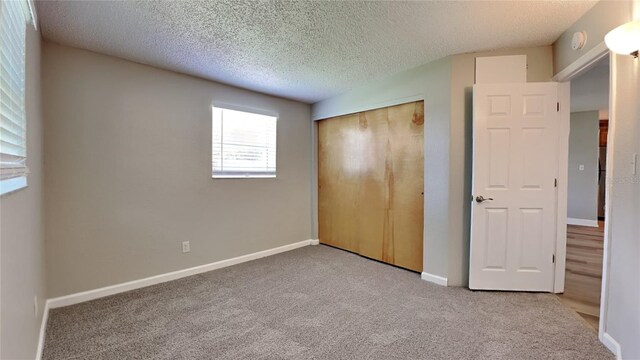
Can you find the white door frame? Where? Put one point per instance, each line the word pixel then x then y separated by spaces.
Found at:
pixel 564 98
pixel 581 65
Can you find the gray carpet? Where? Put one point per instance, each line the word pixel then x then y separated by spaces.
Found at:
pixel 318 303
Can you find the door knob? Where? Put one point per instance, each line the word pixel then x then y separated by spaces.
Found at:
pixel 481 199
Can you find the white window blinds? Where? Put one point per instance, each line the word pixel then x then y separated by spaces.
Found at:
pixel 14 16
pixel 243 144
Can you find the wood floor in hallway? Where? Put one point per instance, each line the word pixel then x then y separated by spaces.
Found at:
pixel 583 277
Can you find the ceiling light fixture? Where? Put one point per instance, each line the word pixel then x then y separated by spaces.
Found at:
pixel 625 39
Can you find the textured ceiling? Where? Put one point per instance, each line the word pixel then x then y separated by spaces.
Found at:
pixel 302 50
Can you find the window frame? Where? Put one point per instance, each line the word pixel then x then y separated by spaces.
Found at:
pixel 244 175
pixel 14 183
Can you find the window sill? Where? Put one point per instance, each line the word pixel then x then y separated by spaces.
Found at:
pixel 12 185
pixel 243 177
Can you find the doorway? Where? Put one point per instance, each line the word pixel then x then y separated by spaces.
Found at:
pixel 587 191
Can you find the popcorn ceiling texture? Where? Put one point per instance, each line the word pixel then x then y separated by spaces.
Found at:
pixel 302 50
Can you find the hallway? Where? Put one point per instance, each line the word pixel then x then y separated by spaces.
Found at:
pixel 584 271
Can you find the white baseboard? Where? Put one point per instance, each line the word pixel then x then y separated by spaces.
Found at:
pixel 611 344
pixel 582 222
pixel 137 284
pixel 314 242
pixel 434 279
pixel 43 328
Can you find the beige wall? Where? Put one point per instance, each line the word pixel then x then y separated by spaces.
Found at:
pixel 22 233
pixel 128 173
pixel 540 69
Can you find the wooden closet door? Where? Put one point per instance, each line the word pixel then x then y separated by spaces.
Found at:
pixel 370 183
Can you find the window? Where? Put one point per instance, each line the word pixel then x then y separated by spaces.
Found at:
pixel 14 16
pixel 243 144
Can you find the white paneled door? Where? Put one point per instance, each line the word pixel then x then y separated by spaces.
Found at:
pixel 515 167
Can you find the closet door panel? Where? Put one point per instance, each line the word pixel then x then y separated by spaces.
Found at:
pixel 406 138
pixel 370 179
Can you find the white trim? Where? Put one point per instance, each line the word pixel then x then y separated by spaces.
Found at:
pixel 314 242
pixel 611 344
pixel 43 328
pixel 583 63
pixel 608 207
pixel 34 15
pixel 244 176
pixel 137 284
pixel 564 118
pixel 367 107
pixel 244 108
pixel 434 279
pixel 313 172
pixel 582 222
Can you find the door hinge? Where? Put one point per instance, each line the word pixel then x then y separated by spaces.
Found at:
pixel 555 182
pixel 553 258
pixel 558 107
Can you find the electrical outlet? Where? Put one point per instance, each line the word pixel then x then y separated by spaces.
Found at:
pixel 186 247
pixel 35 306
pixel 634 164
pixel 581 167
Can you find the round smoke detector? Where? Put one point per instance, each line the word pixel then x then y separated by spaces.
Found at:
pixel 579 40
